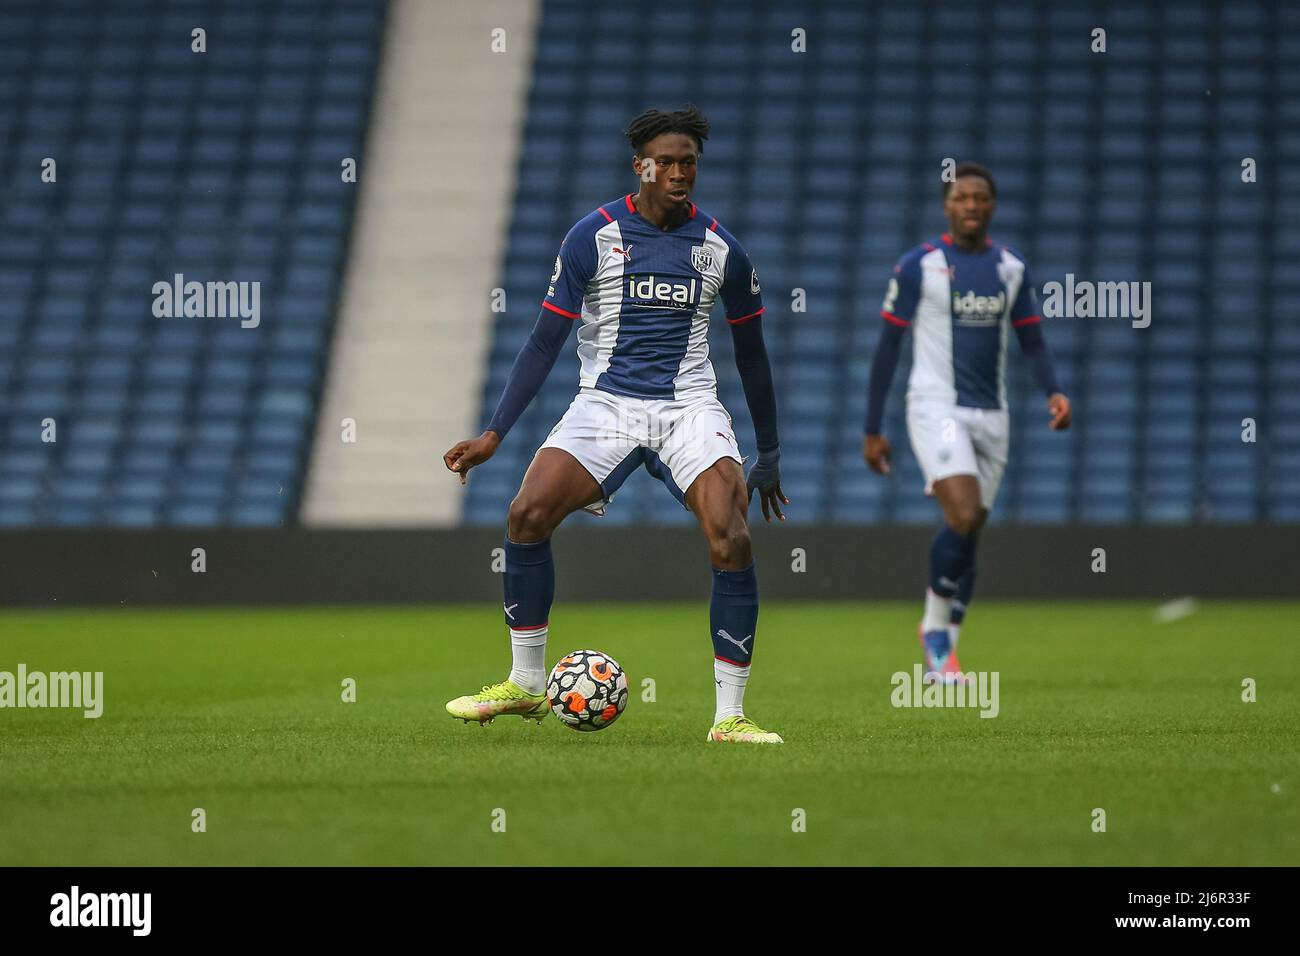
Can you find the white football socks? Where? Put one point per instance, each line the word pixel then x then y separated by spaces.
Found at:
pixel 954 632
pixel 938 611
pixel 729 680
pixel 529 664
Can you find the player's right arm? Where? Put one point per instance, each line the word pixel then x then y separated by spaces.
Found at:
pixel 896 312
pixel 574 267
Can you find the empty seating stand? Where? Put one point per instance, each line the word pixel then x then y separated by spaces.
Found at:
pixel 1123 165
pixel 221 166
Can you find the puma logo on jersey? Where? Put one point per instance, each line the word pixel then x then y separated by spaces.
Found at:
pixel 625 253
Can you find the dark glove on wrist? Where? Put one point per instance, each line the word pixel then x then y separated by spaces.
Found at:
pixel 766 472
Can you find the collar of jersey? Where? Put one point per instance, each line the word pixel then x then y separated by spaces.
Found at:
pixel 947 240
pixel 631 208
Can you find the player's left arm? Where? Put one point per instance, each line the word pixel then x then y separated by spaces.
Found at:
pixel 1028 323
pixel 743 301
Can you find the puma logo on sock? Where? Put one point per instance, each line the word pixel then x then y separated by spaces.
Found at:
pixel 741 644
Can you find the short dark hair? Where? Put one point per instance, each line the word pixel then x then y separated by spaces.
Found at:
pixel 652 123
pixel 971 169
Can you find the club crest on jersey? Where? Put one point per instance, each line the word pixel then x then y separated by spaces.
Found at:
pixel 701 259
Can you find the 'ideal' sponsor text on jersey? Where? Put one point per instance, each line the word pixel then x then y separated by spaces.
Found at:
pixel 644 296
pixel 960 305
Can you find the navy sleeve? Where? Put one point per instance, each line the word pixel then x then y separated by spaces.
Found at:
pixel 756 379
pixel 1024 310
pixel 574 267
pixel 1034 346
pixel 742 298
pixel 1027 322
pixel 901 298
pixel 904 291
pixel 883 366
pixel 532 365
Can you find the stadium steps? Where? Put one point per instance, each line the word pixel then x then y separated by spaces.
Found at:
pixel 413 330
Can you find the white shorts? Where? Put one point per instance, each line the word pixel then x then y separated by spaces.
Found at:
pixel 950 439
pixel 675 439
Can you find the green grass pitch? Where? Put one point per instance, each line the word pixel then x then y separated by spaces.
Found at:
pixel 240 713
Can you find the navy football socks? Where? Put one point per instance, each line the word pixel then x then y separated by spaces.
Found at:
pixel 961 602
pixel 529 584
pixel 530 588
pixel 951 556
pixel 733 615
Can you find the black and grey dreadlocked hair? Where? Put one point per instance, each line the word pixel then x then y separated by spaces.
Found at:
pixel 688 120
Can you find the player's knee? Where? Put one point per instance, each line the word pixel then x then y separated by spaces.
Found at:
pixel 730 548
pixel 528 520
pixel 965 520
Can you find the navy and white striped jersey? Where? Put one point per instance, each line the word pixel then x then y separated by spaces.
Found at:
pixel 960 305
pixel 644 296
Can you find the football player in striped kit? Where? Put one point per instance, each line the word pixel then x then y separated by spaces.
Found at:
pixel 638 277
pixel 960 294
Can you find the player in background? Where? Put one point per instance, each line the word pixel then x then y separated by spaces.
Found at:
pixel 639 277
pixel 959 293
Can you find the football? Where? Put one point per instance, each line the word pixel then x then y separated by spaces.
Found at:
pixel 587 690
